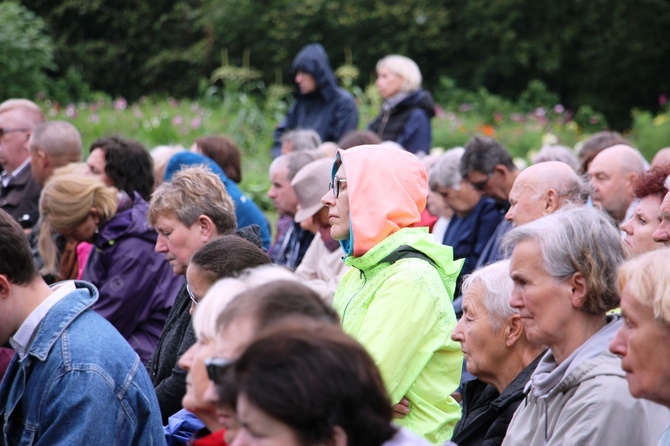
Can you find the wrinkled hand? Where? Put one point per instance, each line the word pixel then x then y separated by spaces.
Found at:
pixel 401 409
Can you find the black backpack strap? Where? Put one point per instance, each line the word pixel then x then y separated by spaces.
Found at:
pixel 407 252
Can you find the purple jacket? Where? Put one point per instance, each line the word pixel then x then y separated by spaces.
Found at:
pixel 137 286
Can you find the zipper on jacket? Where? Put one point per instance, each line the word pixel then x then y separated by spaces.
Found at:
pixel 382 126
pixel 365 280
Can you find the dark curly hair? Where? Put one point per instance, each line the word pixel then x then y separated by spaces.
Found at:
pixel 127 164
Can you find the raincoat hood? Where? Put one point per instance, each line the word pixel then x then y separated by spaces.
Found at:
pixel 387 189
pixel 313 59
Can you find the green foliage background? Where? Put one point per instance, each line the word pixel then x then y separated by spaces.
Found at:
pixel 608 54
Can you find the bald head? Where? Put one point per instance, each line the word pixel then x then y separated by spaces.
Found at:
pixel 542 189
pixel 612 174
pixel 52 145
pixel 662 157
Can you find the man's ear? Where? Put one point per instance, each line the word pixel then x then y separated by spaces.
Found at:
pixel 339 437
pixel 578 293
pixel 551 202
pixel 206 227
pixel 5 287
pixel 513 330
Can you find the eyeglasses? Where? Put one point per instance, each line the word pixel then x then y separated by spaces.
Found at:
pixel 217 367
pixel 481 185
pixel 3 132
pixel 335 186
pixel 191 295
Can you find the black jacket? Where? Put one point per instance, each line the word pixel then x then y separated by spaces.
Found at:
pixel 486 413
pixel 330 110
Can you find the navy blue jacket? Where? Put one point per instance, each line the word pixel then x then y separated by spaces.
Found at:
pixel 469 235
pixel 408 123
pixel 330 110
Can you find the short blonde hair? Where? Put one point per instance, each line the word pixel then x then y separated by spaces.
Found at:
pixel 404 67
pixel 65 202
pixel 647 277
pixel 192 192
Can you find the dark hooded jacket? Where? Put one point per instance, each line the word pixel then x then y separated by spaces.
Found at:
pixel 137 286
pixel 408 122
pixel 330 110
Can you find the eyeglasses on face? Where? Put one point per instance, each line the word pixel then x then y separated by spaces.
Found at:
pixel 335 186
pixel 217 368
pixel 193 297
pixel 481 185
pixel 3 132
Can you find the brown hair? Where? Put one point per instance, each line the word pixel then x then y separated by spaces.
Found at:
pixel 313 377
pixel 16 258
pixel 226 256
pixel 224 152
pixel 652 182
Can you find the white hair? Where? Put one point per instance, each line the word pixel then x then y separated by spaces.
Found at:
pixel 404 67
pixel 498 287
pixel 446 170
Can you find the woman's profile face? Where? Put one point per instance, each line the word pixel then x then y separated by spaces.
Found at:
pixel 257 428
pixel 388 83
pixel 84 231
pixel 640 227
pixel 544 302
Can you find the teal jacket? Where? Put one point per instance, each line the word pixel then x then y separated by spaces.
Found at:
pixel 401 312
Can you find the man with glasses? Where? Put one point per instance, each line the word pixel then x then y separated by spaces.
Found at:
pixel 488 167
pixel 19 192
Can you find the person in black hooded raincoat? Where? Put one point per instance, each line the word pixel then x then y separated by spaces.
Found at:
pixel 320 105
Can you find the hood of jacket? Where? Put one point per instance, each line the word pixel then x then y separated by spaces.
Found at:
pixel 313 59
pixel 387 190
pixel 130 222
pixel 580 366
pixel 420 99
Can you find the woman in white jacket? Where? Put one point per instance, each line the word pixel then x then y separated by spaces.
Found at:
pixel 564 272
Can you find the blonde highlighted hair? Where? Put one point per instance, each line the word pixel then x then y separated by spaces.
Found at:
pixel 66 201
pixel 647 279
pixel 192 192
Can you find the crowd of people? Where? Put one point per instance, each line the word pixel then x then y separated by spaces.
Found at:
pixel 408 296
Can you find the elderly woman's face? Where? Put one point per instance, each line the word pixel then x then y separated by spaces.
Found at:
pixel 388 83
pixel 177 241
pixel 544 302
pixel 482 347
pixel 644 346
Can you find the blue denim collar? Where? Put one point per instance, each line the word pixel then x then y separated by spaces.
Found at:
pixel 60 317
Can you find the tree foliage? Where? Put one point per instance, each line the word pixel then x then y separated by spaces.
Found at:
pixel 609 54
pixel 25 52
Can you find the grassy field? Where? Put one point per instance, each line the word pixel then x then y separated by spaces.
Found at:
pixel 250 121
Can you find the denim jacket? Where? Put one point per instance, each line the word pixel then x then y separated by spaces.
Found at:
pixel 80 383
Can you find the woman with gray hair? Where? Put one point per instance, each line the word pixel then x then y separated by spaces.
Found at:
pixel 407 109
pixel 496 351
pixel 564 272
pixel 475 217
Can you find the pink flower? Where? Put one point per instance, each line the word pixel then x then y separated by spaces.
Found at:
pixel 120 104
pixel 71 111
pixel 662 99
pixel 195 122
pixel 558 108
pixel 177 120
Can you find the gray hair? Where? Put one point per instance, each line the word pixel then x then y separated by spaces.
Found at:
pixel 498 286
pixel 302 139
pixel 58 139
pixel 577 240
pixel 404 67
pixel 556 153
pixel 295 161
pixel 445 172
